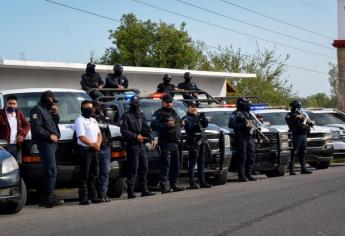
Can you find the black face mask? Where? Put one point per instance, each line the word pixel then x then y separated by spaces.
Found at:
pixel 90 70
pixel 47 103
pixel 118 72
pixel 86 112
pixel 166 109
pixel 11 109
pixel 166 81
pixel 187 80
pixel 134 107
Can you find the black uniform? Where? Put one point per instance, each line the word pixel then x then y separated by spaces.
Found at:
pixel 43 124
pixel 188 86
pixel 245 141
pixel 133 123
pixel 165 88
pixel 299 131
pixel 90 79
pixel 196 147
pixel 168 140
pixel 113 81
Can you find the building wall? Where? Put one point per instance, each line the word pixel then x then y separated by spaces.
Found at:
pixel 14 78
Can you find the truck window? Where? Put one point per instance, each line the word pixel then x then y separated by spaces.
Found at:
pixel 69 104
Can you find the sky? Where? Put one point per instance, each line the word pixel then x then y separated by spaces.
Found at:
pixel 43 31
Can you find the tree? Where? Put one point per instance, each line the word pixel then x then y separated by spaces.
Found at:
pixel 318 100
pixel 269 69
pixel 144 43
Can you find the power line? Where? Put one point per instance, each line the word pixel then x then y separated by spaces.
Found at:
pixel 276 19
pixel 287 65
pixel 209 46
pixel 254 25
pixel 316 7
pixel 81 10
pixel 234 31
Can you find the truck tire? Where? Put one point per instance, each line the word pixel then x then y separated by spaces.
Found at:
pixel 115 188
pixel 321 165
pixel 280 171
pixel 18 206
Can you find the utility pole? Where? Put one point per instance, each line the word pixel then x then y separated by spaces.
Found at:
pixel 340 45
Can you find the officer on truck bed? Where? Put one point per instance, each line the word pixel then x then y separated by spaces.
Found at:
pixel 188 85
pixel 239 122
pixel 168 125
pixel 193 123
pixel 116 79
pixel 136 133
pixel 91 80
pixel 298 125
pixel 166 86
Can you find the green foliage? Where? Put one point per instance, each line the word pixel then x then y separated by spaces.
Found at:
pixel 144 43
pixel 268 84
pixel 319 100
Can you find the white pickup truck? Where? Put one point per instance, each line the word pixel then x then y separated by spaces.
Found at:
pixel 67 154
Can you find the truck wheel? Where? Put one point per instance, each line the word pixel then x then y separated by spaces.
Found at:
pixel 280 171
pixel 115 188
pixel 322 165
pixel 18 206
pixel 221 178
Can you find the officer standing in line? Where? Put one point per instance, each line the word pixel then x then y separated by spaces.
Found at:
pixel 166 86
pixel 188 85
pixel 91 80
pixel 244 139
pixel 44 119
pixel 136 133
pixel 193 122
pixel 13 126
pixel 168 125
pixel 89 142
pixel 116 79
pixel 295 120
pixel 104 154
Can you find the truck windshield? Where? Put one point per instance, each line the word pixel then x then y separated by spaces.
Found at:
pixel 221 118
pixel 326 118
pixel 277 118
pixel 69 104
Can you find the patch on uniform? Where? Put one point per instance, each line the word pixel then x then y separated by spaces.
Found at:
pixel 34 116
pixel 153 118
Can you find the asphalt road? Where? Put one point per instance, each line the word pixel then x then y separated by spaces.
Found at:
pixel 291 205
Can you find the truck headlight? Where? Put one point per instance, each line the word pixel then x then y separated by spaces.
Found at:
pixel 328 138
pixel 9 165
pixel 335 134
pixel 284 141
pixel 227 143
pixel 116 144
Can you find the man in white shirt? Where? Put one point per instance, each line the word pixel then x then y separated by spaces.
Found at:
pixel 89 142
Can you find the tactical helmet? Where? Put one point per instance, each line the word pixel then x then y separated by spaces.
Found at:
pixel 118 67
pixel 187 76
pixel 295 104
pixel 242 103
pixel 167 78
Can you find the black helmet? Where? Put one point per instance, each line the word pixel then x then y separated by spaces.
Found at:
pixel 295 105
pixel 118 67
pixel 167 78
pixel 242 103
pixel 187 76
pixel 135 100
pixel 90 68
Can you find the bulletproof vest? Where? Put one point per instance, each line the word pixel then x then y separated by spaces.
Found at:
pixel 296 126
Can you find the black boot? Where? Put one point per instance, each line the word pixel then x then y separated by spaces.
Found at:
pixel 205 185
pixel 176 188
pixel 242 179
pixel 131 193
pixel 193 185
pixel 251 178
pixel 305 171
pixel 52 201
pixel 147 193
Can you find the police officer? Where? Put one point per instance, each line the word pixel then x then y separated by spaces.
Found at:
pixel 295 120
pixel 188 85
pixel 91 80
pixel 116 79
pixel 104 154
pixel 166 86
pixel 167 123
pixel 44 119
pixel 239 122
pixel 193 123
pixel 136 133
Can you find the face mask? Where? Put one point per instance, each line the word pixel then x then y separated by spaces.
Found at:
pixel 11 109
pixel 187 80
pixel 86 112
pixel 134 107
pixel 118 72
pixel 91 70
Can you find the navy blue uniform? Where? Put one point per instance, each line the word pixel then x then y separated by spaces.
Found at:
pixel 133 124
pixel 168 141
pixel 245 143
pixel 104 157
pixel 195 147
pixel 165 88
pixel 90 81
pixel 113 81
pixel 43 124
pixel 299 139
pixel 188 86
